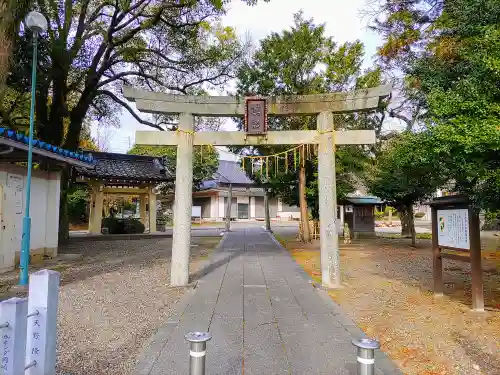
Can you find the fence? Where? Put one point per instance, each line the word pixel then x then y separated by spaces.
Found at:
pixel 28 327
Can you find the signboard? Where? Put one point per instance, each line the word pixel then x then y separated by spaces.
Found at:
pixel 453 228
pixel 255 116
pixel 16 185
pixel 349 208
pixel 196 211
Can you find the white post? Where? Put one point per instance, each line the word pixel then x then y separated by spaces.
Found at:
pixel 96 212
pixel 252 207
pixel 13 332
pixel 42 323
pixel 213 208
pixel 152 210
pixel 342 219
pixel 329 240
pixel 142 209
pixel 221 215
pixel 181 243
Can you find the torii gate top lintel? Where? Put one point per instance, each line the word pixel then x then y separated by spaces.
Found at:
pixel 231 106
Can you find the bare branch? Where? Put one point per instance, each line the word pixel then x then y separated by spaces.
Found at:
pixel 127 107
pixel 77 44
pixel 137 74
pixel 401 117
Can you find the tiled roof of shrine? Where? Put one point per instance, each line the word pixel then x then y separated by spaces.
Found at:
pixel 127 168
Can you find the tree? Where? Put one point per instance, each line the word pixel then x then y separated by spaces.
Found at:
pixel 451 52
pixel 300 61
pixel 93 47
pixel 406 172
pixel 11 14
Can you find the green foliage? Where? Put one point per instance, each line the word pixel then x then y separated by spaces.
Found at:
pixel 379 215
pixel 129 206
pixel 491 220
pixel 300 61
pixel 77 204
pixel 205 161
pixel 122 226
pixel 454 62
pixel 406 171
pixel 389 209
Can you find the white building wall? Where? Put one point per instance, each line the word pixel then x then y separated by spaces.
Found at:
pixel 52 225
pixel 44 213
pixel 214 208
pixel 283 214
pixel 252 207
pixel 222 208
pixel 243 200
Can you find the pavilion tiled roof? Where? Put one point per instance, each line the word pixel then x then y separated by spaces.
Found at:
pixel 124 167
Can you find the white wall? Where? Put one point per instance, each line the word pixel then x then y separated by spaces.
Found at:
pixel 222 208
pixel 252 207
pixel 214 209
pixel 284 214
pixel 44 213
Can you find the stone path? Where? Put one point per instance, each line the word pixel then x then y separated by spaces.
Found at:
pixel 264 315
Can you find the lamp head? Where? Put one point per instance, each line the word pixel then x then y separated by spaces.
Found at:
pixel 36 22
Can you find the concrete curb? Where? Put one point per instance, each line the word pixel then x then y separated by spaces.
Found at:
pixel 152 349
pixel 384 365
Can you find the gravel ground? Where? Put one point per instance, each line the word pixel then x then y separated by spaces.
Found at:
pixel 387 291
pixel 113 301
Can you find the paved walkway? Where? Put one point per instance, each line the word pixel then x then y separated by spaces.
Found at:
pixel 264 315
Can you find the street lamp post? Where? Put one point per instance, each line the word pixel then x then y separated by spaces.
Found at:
pixel 37 23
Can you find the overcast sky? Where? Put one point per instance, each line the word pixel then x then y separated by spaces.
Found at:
pixel 343 21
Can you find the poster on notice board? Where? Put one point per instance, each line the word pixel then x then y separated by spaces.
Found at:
pixel 453 228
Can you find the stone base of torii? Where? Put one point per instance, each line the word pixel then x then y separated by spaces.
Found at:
pixel 323 106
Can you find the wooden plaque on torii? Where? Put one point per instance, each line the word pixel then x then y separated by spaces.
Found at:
pixel 255 116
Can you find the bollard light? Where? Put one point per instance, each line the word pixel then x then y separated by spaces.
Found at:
pixel 197 351
pixel 366 355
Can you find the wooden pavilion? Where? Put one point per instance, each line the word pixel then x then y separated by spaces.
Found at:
pixel 124 175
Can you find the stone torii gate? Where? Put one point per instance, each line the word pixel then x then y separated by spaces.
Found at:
pixel 323 105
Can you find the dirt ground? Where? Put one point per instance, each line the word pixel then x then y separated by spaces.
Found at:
pixel 387 292
pixel 112 301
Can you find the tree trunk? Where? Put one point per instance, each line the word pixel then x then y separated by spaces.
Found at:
pixel 412 225
pixel 405 221
pixel 63 207
pixel 228 208
pixel 266 210
pixel 5 46
pixel 304 216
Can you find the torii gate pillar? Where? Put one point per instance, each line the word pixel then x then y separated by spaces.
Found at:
pixel 181 242
pixel 329 239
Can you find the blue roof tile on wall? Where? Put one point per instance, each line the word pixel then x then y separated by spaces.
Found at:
pixel 19 137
